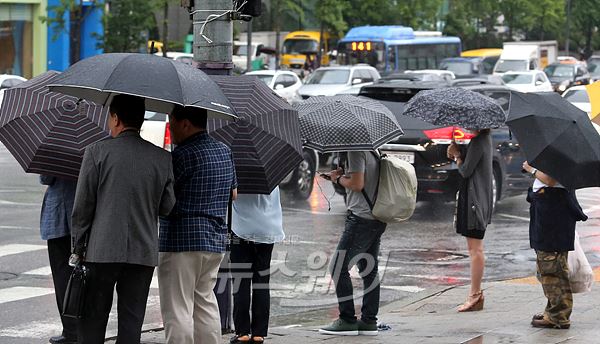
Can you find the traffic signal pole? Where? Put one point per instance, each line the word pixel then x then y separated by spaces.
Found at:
pixel 213 35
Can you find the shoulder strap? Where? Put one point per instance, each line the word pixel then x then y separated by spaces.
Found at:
pixel 372 203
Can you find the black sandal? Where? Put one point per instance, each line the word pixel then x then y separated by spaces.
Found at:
pixel 258 340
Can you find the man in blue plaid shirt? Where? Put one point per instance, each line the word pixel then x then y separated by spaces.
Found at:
pixel 193 237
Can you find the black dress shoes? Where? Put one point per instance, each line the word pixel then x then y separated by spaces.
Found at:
pixel 62 340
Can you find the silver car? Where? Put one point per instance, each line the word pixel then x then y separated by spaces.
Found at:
pixel 329 81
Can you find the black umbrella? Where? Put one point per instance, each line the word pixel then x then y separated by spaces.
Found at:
pixel 453 106
pixel 47 132
pixel 346 123
pixel 265 139
pixel 163 82
pixel 557 138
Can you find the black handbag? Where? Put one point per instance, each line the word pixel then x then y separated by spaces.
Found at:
pixel 74 302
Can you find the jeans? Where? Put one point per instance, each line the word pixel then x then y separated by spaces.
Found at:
pixel 250 268
pixel 358 245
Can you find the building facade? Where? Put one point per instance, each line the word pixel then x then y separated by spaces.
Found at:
pixel 59 43
pixel 23 37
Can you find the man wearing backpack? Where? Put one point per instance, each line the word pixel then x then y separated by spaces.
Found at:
pixel 359 245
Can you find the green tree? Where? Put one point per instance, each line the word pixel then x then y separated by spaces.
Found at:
pixel 76 13
pixel 585 20
pixel 126 25
pixel 278 9
pixel 331 15
pixel 372 12
pixel 419 14
pixel 517 16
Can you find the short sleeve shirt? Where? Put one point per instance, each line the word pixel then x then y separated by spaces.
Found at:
pixel 367 163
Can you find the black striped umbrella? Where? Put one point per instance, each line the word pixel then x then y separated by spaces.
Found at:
pixel 47 132
pixel 346 123
pixel 265 139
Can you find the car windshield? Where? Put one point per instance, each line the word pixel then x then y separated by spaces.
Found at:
pixel 560 71
pixel 458 68
pixel 329 77
pixel 155 116
pixel 577 96
pixel 509 65
pixel 517 79
pixel 264 78
pixel 300 46
pixel 594 69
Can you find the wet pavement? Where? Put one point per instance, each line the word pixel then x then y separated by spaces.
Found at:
pixel 417 256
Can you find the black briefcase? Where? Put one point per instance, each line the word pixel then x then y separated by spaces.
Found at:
pixel 75 295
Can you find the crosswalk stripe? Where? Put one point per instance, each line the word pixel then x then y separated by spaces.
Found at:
pixel 36 329
pixel 21 293
pixel 43 271
pixel 405 288
pixel 7 250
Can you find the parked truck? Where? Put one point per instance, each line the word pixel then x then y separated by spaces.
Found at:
pixel 526 55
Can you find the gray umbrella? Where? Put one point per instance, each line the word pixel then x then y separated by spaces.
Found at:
pixel 346 123
pixel 163 82
pixel 455 106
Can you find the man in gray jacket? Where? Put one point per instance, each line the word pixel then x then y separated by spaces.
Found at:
pixel 124 184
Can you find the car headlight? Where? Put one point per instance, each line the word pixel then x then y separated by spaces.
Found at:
pixel 563 85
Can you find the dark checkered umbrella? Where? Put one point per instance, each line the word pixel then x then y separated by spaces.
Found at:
pixel 346 123
pixel 265 139
pixel 455 106
pixel 47 132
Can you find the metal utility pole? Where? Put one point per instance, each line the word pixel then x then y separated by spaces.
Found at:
pixel 249 51
pixel 568 26
pixel 213 35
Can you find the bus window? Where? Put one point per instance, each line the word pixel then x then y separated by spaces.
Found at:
pixel 412 63
pixel 299 46
pixel 391 57
pixel 351 54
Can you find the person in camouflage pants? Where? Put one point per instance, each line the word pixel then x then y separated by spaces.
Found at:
pixel 553 271
pixel 553 213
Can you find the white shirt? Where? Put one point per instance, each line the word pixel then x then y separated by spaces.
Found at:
pixel 537 185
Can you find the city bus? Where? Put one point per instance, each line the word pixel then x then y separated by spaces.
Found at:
pixel 396 48
pixel 299 43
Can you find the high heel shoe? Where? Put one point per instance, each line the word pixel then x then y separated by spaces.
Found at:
pixel 474 303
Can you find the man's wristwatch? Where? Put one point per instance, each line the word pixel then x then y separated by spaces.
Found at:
pixel 337 180
pixel 533 171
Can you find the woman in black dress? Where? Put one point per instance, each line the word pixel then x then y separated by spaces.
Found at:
pixel 474 206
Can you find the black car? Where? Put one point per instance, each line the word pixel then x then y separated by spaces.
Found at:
pixel 565 75
pixel 424 145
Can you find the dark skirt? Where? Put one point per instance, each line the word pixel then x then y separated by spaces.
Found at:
pixel 461 213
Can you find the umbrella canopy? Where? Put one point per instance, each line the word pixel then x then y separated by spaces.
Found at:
pixel 453 106
pixel 47 132
pixel 346 123
pixel 557 138
pixel 163 82
pixel 265 139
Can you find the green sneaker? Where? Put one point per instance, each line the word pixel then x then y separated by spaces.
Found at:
pixel 341 327
pixel 365 329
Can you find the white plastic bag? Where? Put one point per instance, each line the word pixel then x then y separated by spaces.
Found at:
pixel 581 274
